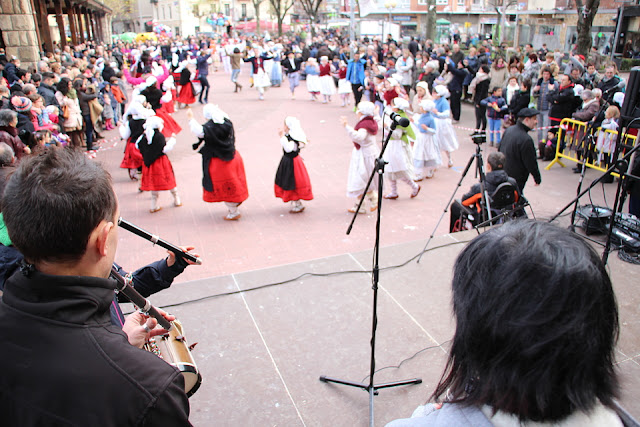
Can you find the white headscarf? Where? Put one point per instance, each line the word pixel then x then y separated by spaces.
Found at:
pixel 137 110
pixel 427 105
pixel 295 129
pixel 424 86
pixel 152 123
pixel 151 80
pixel 366 108
pixel 618 98
pixel 214 113
pixel 442 91
pixel 393 82
pixel 401 103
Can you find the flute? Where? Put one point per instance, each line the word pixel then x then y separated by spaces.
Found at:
pixel 138 300
pixel 156 240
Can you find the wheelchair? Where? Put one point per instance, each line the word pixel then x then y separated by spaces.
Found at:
pixel 504 202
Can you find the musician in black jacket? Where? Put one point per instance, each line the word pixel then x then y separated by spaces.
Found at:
pixel 54 315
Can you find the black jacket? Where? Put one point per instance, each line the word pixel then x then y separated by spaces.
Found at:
pixel 518 102
pixel 70 366
pixel 49 94
pixel 563 104
pixel 288 68
pixel 492 181
pixel 520 153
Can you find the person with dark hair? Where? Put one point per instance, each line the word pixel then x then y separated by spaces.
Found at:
pixel 519 149
pixel 223 175
pixel 84 97
pixel 459 73
pixel 496 108
pixel 470 201
pixel 536 326
pixel 70 113
pixel 202 64
pixel 479 87
pixel 55 309
pixel 47 90
pixel 521 99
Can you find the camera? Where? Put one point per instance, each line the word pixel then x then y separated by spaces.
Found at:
pixel 479 137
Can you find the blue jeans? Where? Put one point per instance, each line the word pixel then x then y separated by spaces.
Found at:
pixel 235 74
pixel 495 126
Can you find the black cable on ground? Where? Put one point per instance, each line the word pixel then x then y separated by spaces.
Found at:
pixel 335 273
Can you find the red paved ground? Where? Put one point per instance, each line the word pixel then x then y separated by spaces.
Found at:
pixel 267 235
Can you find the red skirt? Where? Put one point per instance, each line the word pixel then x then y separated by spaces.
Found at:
pixel 168 107
pixel 229 181
pixel 303 184
pixel 186 94
pixel 132 157
pixel 159 176
pixel 170 125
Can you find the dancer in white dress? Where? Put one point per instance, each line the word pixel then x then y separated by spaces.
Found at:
pixel 327 86
pixel 363 156
pixel 344 86
pixel 313 77
pixel 426 154
pixel 445 134
pixel 399 154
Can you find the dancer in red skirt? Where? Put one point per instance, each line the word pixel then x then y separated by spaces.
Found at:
pixel 292 180
pixel 154 97
pixel 224 179
pixel 186 95
pixel 157 172
pixel 131 129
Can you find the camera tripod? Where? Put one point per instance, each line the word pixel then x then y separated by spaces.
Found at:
pixel 478 139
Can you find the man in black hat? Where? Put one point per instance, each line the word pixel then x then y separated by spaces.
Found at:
pixel 519 149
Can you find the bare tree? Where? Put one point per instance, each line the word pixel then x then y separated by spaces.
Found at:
pixel 586 12
pixel 311 8
pixel 430 32
pixel 119 7
pixel 280 8
pixel 256 6
pixel 501 7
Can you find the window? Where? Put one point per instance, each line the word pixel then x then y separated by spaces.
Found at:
pixel 170 13
pixel 442 2
pixel 227 11
pixel 244 10
pixel 422 2
pixel 460 2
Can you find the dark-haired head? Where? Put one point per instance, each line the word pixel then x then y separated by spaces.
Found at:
pixel 63 85
pixel 54 201
pixel 536 324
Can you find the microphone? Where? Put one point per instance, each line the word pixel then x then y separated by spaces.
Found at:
pixel 399 120
pixel 620 85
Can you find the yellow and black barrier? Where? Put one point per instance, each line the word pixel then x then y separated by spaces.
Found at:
pixel 571 144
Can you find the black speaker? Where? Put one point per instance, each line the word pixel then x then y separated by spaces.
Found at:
pixel 631 105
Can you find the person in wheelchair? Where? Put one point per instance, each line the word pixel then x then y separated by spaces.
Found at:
pixel 469 208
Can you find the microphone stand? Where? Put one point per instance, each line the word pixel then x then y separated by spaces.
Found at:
pixel 371 387
pixel 621 165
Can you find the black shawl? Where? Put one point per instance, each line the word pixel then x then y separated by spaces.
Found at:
pixel 151 152
pixel 219 142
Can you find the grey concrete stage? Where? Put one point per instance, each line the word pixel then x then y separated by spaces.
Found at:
pixel 261 351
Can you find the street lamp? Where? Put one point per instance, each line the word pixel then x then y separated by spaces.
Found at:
pixel 390 5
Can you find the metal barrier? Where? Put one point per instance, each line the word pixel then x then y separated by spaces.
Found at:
pixel 571 141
